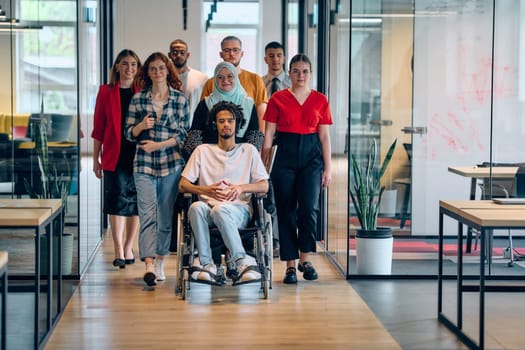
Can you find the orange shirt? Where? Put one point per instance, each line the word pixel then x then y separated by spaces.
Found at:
pixel 251 82
pixel 284 110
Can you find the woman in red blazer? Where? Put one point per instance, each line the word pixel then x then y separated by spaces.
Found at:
pixel 113 155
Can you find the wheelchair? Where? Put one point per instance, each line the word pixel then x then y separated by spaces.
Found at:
pixel 257 240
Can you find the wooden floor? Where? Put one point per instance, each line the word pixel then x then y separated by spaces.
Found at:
pixel 112 310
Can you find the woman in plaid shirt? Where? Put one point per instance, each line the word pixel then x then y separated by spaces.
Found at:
pixel 158 120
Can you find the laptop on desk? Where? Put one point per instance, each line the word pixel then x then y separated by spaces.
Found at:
pixel 509 200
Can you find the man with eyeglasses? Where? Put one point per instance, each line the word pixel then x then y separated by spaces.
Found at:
pixel 231 51
pixel 192 79
pixel 276 78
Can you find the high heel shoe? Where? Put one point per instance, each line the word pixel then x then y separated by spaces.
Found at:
pixel 132 260
pixel 120 263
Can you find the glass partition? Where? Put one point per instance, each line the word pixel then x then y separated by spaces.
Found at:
pixel 90 188
pixel 337 242
pixel 444 79
pixel 49 75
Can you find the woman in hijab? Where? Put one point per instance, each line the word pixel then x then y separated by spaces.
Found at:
pixel 227 87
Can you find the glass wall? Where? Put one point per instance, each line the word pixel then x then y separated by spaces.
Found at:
pixel 337 243
pixel 444 80
pixel 42 81
pixel 49 75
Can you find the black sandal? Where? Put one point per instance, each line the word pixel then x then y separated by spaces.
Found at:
pixel 238 279
pixel 216 279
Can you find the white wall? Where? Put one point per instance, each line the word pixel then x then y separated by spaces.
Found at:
pixel 146 27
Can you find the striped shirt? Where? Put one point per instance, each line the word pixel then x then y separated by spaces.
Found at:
pixel 172 123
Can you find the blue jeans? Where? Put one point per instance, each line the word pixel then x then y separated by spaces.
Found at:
pixel 156 198
pixel 228 218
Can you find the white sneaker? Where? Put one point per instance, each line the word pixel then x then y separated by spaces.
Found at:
pixel 149 275
pixel 159 270
pixel 210 270
pixel 248 270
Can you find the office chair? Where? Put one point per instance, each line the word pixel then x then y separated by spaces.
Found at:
pixel 503 189
pixel 407 183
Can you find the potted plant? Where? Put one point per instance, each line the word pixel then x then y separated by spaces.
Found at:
pixel 53 185
pixel 373 244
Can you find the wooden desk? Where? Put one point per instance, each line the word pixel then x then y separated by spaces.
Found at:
pixel 51 144
pixel 39 216
pixel 475 173
pixel 484 216
pixel 25 203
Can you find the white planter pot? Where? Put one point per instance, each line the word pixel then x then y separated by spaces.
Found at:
pixel 374 255
pixel 67 254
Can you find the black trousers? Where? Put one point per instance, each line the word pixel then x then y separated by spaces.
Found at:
pixel 296 178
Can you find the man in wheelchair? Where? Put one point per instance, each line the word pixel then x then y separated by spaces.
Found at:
pixel 224 176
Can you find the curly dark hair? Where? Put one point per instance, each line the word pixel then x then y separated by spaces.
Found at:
pixel 234 109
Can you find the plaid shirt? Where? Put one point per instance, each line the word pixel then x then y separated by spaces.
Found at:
pixel 173 123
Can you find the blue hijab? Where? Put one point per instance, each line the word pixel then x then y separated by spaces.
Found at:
pixel 236 95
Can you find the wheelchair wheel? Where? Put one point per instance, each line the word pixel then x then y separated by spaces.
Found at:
pixel 268 238
pixel 181 251
pixel 185 284
pixel 266 289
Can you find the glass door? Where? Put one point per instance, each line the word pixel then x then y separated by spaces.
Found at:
pixel 452 101
pixel 381 100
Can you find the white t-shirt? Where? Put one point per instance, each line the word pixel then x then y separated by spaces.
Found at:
pixel 209 164
pixel 192 83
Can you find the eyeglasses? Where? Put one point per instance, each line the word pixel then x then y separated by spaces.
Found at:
pixel 235 50
pixel 297 71
pixel 155 69
pixel 178 52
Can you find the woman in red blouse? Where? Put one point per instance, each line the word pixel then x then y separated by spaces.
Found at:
pixel 113 155
pixel 299 119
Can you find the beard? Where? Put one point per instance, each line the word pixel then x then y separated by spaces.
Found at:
pixel 226 136
pixel 179 64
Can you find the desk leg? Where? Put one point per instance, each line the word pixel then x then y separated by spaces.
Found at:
pixel 49 309
pixel 468 247
pixel 59 268
pixel 483 243
pixel 440 264
pixel 4 309
pixel 459 291
pixel 37 288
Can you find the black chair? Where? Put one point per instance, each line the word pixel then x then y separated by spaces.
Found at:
pixel 406 182
pixel 502 188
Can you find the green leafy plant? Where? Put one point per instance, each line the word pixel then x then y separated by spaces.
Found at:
pixel 54 185
pixel 366 191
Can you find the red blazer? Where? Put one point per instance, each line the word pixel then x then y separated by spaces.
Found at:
pixel 107 124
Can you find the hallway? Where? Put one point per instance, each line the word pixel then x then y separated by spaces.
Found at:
pixel 112 310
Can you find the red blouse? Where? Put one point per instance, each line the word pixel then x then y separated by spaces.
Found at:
pixel 284 110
